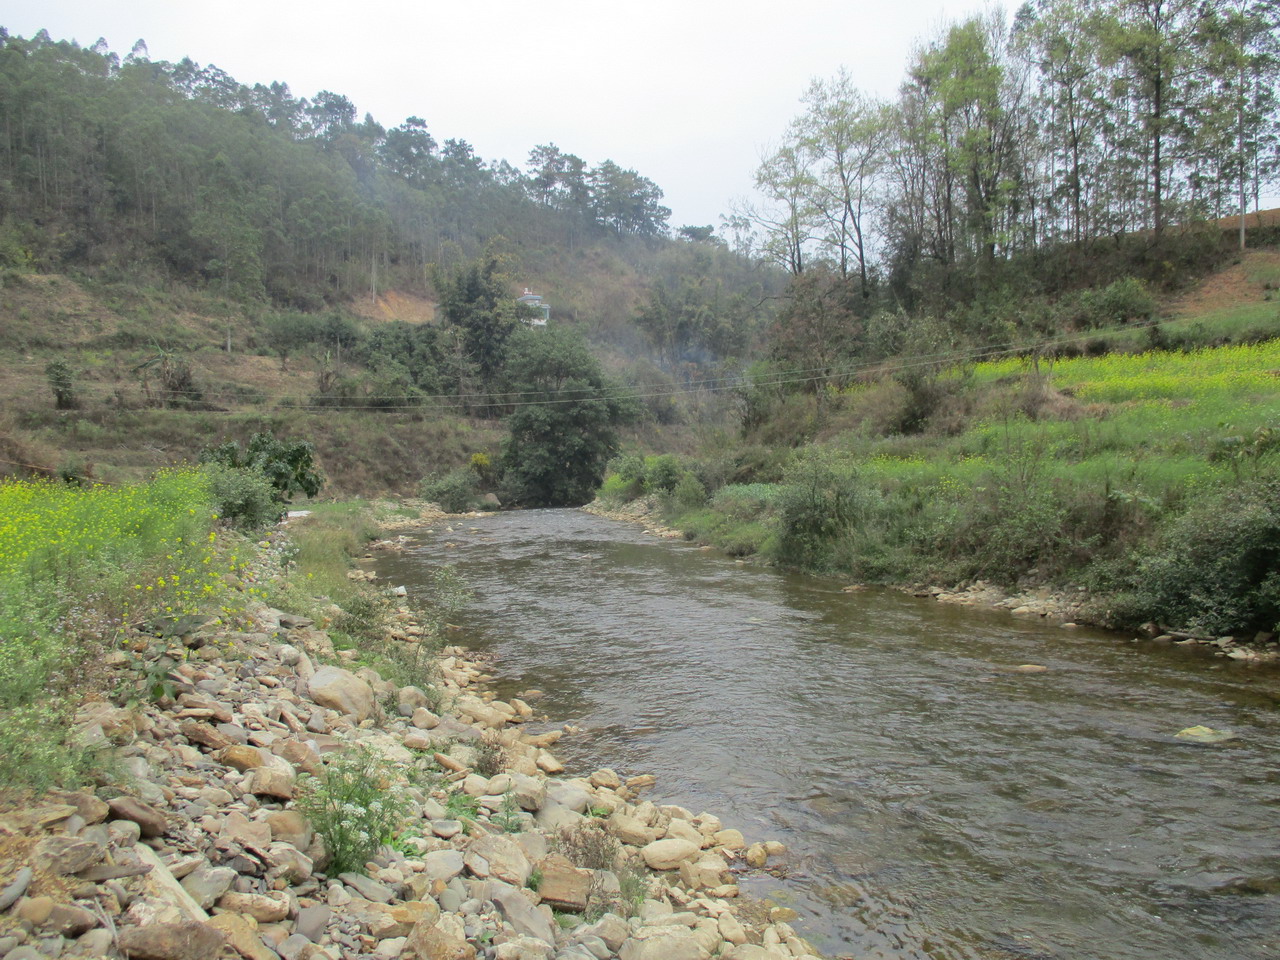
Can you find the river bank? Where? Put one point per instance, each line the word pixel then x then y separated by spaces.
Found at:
pixel 209 843
pixel 1068 610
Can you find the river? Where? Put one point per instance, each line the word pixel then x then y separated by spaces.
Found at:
pixel 935 805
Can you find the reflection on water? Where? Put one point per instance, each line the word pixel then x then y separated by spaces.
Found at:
pixel 935 805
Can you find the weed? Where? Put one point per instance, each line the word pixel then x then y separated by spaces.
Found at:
pixel 461 806
pixel 351 806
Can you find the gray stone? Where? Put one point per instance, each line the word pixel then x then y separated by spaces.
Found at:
pixel 554 817
pixel 516 909
pixel 569 795
pixel 207 883
pixel 189 940
pixel 63 855
pixel 369 889
pixel 499 858
pixel 150 820
pixel 610 928
pixel 443 864
pixel 312 921
pixel 343 691
pixel 667 945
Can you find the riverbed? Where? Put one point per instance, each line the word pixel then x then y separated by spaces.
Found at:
pixel 936 802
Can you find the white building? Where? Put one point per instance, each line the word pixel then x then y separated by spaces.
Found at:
pixel 532 299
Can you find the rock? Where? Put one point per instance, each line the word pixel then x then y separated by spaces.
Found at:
pixel 290 826
pixel 555 817
pixel 69 920
pixel 343 691
pixel 667 945
pixel 564 886
pixel 10 894
pixel 189 940
pixel 241 756
pixel 368 888
pixel 499 858
pixel 775 848
pixel 684 830
pixel 287 861
pixel 271 781
pixel 1030 668
pixel 730 839
pixel 667 854
pixel 756 855
pixel 263 908
pixel 751 951
pixel 443 865
pixel 242 934
pixel 207 735
pixel 610 928
pixel 708 870
pixel 299 754
pixel 525 948
pixel 160 886
pixel 518 911
pixel 630 830
pixel 248 833
pixel 63 855
pixel 391 921
pixel 151 820
pixel 1202 734
pixel 207 883
pixel 731 929
pixel 312 921
pixel 548 763
pixel 429 942
pixel 569 795
pixel 605 778
pixel 529 792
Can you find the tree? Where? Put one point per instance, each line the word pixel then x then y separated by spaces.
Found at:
pixel 846 134
pixel 288 464
pixel 477 300
pixel 564 426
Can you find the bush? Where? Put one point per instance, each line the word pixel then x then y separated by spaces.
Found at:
pixel 350 806
pixel 1119 302
pixel 288 464
pixel 455 491
pixel 689 491
pixel 820 501
pixel 1217 567
pixel 242 496
pixel 661 474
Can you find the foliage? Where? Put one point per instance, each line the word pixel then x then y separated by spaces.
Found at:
pixel 350 804
pixel 62 382
pixel 243 497
pixel 821 500
pixel 1217 567
pixel 289 465
pixel 563 428
pixel 455 491
pixel 661 473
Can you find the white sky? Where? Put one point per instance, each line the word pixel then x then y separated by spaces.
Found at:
pixel 687 92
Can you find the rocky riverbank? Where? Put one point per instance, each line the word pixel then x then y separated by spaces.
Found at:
pixel 200 849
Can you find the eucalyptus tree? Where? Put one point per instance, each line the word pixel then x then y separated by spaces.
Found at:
pixel 846 135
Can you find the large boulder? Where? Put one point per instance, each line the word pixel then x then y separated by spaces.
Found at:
pixel 668 854
pixel 343 691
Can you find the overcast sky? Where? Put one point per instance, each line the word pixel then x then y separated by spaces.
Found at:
pixel 687 92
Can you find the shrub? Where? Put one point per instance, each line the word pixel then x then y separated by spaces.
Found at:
pixel 63 384
pixel 350 806
pixel 455 491
pixel 661 474
pixel 1217 567
pixel 689 491
pixel 820 501
pixel 242 496
pixel 288 464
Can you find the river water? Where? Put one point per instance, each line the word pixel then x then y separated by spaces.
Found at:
pixel 934 804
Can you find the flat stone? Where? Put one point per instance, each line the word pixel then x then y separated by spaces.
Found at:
pixel 207 883
pixel 429 942
pixel 268 781
pixel 248 833
pixel 263 908
pixel 151 820
pixel 668 945
pixel 242 934
pixel 518 911
pixel 443 864
pixel 499 858
pixel 367 888
pixel 290 826
pixel 206 735
pixel 69 920
pixel 563 886
pixel 64 855
pixel 312 921
pixel 189 940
